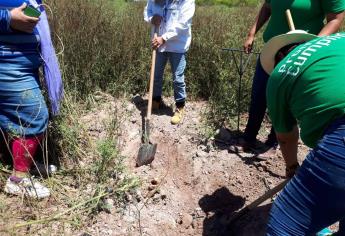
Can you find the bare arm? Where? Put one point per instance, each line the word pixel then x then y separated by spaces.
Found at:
pixel 260 20
pixel 288 145
pixel 334 21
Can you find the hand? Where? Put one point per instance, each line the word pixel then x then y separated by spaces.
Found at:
pixel 156 20
pixel 248 44
pixel 22 22
pixel 157 42
pixel 290 171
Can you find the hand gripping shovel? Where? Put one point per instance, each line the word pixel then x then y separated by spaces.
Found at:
pixel 147 150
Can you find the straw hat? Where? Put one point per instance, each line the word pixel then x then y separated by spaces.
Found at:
pixel 271 48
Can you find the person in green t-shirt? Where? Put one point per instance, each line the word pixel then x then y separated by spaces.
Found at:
pixel 308 15
pixel 307 87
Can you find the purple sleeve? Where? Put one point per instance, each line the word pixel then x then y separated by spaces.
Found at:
pixel 5 19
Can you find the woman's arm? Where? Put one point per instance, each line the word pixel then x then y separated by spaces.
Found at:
pixel 260 20
pixel 288 143
pixel 334 21
pixel 19 21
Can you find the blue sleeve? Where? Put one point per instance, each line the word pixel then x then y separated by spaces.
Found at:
pixel 5 19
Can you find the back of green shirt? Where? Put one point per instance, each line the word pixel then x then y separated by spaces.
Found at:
pixel 307 15
pixel 308 86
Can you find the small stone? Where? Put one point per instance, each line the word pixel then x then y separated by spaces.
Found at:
pixel 109 202
pixel 201 153
pixel 156 197
pixel 187 220
pixel 128 197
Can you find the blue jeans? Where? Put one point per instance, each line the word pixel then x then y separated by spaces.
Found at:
pixel 315 196
pixel 258 107
pixel 23 110
pixel 178 65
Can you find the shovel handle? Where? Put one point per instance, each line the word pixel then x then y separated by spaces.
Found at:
pixel 289 19
pixel 152 77
pixel 270 193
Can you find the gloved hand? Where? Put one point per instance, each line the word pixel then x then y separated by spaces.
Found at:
pixel 290 171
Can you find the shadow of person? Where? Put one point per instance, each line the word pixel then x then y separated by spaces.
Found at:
pixel 227 139
pixel 217 206
pixel 220 207
pixel 164 109
pixel 252 224
pixel 142 104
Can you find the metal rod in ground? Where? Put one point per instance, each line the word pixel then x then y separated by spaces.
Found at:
pixel 240 67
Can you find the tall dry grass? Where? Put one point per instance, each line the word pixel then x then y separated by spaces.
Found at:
pixel 108 48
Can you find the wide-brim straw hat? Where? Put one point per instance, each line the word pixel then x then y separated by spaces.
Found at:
pixel 270 49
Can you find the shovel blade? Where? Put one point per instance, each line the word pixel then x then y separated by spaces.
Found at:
pixel 146 154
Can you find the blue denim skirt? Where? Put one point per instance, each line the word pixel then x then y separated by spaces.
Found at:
pixel 23 111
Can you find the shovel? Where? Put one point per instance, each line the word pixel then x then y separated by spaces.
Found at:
pixel 147 150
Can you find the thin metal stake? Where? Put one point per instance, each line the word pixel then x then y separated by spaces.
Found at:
pixel 241 68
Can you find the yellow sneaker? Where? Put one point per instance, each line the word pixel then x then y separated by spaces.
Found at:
pixel 178 115
pixel 156 105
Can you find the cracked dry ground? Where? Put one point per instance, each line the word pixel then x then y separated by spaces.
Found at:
pixel 193 184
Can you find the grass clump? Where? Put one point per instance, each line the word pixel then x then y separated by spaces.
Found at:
pixel 91 171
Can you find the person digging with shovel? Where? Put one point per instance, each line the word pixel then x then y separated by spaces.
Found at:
pixel 173 19
pixel 316 17
pixel 307 87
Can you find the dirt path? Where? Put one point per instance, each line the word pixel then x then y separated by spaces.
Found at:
pixel 192 185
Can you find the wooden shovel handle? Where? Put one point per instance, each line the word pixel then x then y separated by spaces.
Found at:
pixel 152 77
pixel 270 193
pixel 289 19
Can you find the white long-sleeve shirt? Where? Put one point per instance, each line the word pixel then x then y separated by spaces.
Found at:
pixel 175 27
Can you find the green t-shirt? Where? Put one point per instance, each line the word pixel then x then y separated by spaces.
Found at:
pixel 308 87
pixel 307 15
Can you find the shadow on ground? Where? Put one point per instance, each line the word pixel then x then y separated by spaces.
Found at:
pixel 228 140
pixel 141 105
pixel 220 206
